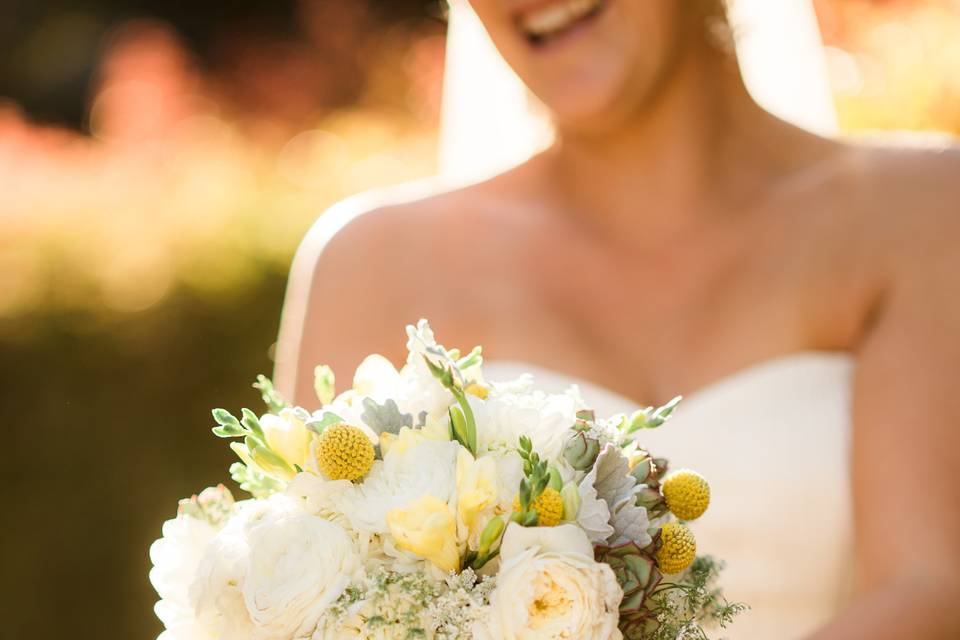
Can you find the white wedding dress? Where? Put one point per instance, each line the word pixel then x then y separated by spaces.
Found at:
pixel 773 440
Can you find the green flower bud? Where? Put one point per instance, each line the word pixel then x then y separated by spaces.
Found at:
pixel 570 494
pixel 555 480
pixel 490 534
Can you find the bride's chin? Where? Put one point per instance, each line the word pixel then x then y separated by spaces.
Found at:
pixel 590 111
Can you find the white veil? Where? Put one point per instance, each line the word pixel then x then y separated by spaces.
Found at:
pixel 490 121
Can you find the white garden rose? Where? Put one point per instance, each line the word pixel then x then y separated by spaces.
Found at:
pixel 549 586
pixel 273 571
pixel 176 557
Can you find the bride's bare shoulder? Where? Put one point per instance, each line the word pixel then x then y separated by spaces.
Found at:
pixel 401 227
pixel 903 176
pixel 402 243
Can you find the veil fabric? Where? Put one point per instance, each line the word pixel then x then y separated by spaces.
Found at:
pixel 490 121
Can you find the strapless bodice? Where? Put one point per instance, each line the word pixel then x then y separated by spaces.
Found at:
pixel 773 440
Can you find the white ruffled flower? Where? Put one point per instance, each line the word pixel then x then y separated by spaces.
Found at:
pixel 549 586
pixel 404 476
pixel 319 496
pixel 545 418
pixel 176 557
pixel 273 571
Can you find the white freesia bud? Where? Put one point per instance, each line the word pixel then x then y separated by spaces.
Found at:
pixel 549 586
pixel 288 436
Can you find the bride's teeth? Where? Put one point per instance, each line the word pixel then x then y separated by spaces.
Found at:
pixel 550 19
pixel 556 17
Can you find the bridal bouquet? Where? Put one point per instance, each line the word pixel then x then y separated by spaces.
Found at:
pixel 431 503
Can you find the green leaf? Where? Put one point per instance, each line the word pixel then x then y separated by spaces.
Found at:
pixel 472 359
pixel 252 423
pixel 271 397
pixel 662 414
pixel 227 432
pixel 225 418
pixel 253 482
pixel 324 384
pixel 328 419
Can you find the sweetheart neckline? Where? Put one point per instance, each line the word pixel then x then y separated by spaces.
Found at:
pixel 732 379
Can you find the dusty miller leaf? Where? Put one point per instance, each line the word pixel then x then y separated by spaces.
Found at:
pixel 386 417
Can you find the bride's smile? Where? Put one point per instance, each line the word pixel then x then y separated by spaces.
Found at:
pixel 589 61
pixel 547 23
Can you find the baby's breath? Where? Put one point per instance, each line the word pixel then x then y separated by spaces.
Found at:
pixel 456 611
pixel 411 605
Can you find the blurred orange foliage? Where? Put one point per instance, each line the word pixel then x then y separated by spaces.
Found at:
pixel 182 183
pixel 893 63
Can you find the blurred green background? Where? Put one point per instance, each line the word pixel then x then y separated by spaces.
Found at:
pixel 159 162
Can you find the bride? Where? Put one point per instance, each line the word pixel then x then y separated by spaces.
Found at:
pixel 803 293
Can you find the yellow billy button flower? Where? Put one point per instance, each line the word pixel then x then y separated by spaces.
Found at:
pixel 428 528
pixel 548 505
pixel 678 550
pixel 687 494
pixel 344 452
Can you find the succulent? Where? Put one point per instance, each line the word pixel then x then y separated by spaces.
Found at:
pixel 660 468
pixel 651 499
pixel 636 570
pixel 581 451
pixel 644 470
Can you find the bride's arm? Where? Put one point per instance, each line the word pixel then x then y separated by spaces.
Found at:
pixel 906 458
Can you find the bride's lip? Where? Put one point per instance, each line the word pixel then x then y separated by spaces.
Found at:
pixel 545 23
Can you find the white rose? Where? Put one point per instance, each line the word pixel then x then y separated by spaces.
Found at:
pixel 273 571
pixel 549 586
pixel 176 557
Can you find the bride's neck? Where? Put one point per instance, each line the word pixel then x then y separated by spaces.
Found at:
pixel 697 143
